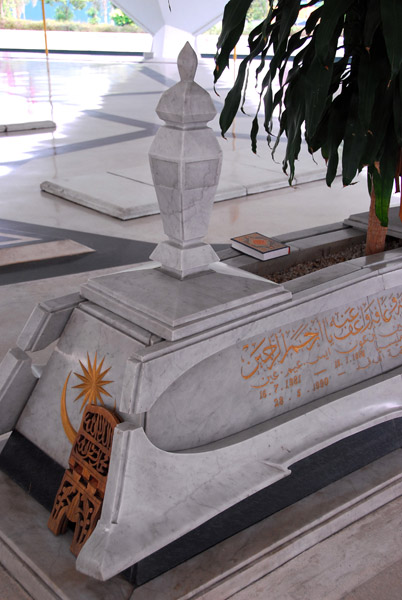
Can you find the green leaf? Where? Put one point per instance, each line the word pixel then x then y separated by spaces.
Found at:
pixel 317 82
pixel 234 14
pixel 391 12
pixel 379 125
pixel 232 101
pixel 398 109
pixel 253 134
pixel 372 22
pixel 383 190
pixel 287 19
pixel 234 18
pixel 286 15
pixel 332 12
pixel 354 143
pixel 292 121
pixel 261 32
pixel 319 78
pixel 382 177
pixel 336 124
pixel 222 59
pixel 262 64
pixel 367 87
pixel 313 20
pixel 354 101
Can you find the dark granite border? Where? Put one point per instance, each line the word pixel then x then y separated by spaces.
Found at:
pixel 109 252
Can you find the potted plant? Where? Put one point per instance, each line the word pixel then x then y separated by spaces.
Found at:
pixel 344 88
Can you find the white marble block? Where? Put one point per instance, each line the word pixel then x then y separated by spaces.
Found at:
pixel 29 126
pixel 16 384
pixel 47 322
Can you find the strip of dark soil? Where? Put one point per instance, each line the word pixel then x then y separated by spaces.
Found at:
pixel 304 268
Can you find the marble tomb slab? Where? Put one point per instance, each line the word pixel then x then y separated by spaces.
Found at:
pixel 241 560
pixel 311 232
pixel 340 238
pixel 320 277
pixel 129 193
pixel 174 309
pixel 360 221
pixel 304 246
pixel 248 178
pixel 41 562
pixel 12 239
pixel 120 194
pixel 35 252
pixel 113 195
pixel 28 126
pixel 266 374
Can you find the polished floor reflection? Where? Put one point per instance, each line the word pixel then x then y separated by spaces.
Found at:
pixel 104 108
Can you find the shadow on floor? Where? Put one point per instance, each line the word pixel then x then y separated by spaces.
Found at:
pixel 109 252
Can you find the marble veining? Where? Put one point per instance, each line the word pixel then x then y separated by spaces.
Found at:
pixel 174 309
pixel 84 338
pixel 16 384
pixel 47 322
pixel 186 162
pixel 194 486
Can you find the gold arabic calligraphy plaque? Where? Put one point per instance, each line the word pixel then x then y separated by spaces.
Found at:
pixel 313 357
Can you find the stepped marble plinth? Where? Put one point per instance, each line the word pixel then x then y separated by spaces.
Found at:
pixel 175 309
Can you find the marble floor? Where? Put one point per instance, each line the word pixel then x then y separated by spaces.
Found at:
pixel 104 108
pixel 342 567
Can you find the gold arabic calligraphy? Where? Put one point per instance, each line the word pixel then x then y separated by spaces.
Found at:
pixel 349 339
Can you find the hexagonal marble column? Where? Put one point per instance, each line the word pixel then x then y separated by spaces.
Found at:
pixel 185 162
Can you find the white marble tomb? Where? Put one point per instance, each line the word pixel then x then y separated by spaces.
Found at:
pixel 223 380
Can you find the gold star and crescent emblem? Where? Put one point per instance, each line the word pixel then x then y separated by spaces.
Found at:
pixel 92 388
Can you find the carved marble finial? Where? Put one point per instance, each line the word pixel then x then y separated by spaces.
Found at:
pixel 187 63
pixel 185 162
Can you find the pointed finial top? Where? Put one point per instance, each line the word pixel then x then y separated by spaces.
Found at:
pixel 187 63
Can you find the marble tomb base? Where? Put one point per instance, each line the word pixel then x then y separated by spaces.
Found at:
pixel 44 566
pixel 335 365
